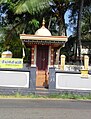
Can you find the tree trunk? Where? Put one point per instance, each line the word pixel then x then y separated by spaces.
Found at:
pixel 79 30
pixel 62 28
pixel 75 51
pixel 49 22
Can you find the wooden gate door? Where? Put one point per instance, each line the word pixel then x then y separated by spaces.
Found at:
pixel 42 66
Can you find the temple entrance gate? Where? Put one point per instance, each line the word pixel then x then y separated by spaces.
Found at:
pixel 42 66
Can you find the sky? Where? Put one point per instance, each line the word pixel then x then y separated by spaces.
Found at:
pixel 69 30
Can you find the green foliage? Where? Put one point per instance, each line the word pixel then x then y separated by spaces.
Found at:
pixel 24 16
pixel 86 24
pixel 3 1
pixel 32 6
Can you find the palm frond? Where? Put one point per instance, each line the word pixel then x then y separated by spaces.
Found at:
pixel 31 6
pixel 3 1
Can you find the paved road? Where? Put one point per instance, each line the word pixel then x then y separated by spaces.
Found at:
pixel 44 109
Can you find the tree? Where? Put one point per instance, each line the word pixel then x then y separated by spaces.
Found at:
pixel 77 13
pixel 31 6
pixel 13 24
pixel 86 24
pixel 26 15
pixel 79 28
pixel 59 8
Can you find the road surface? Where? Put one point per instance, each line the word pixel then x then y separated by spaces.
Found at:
pixel 44 109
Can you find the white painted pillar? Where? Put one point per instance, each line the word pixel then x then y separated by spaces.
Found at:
pixel 62 62
pixel 86 62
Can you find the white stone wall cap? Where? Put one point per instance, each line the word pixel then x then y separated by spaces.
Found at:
pixel 7 52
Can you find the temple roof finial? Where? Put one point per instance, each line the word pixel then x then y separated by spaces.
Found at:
pixel 43 22
pixel 43 31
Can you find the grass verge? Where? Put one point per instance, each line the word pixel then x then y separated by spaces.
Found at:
pixel 51 96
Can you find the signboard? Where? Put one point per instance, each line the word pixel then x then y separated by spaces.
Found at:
pixel 11 63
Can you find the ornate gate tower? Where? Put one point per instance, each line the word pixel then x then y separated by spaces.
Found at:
pixel 43 52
